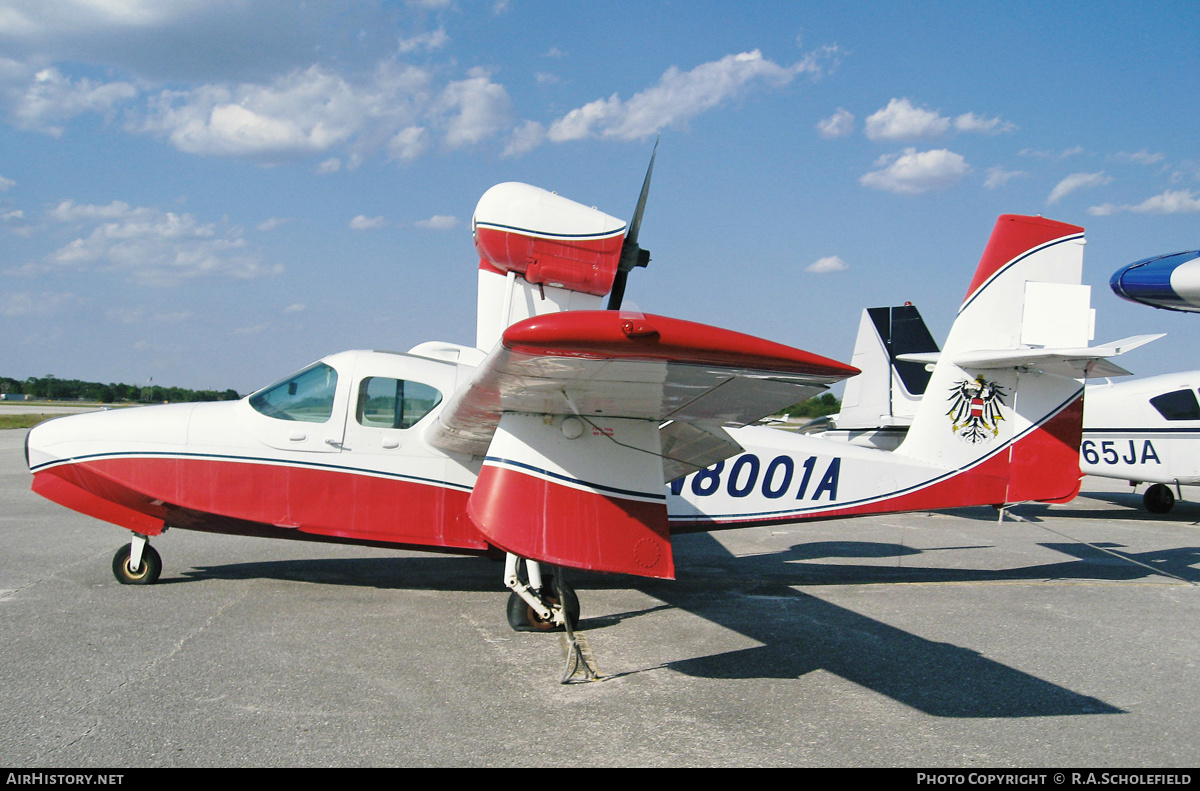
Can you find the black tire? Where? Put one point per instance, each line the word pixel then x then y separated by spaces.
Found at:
pixel 1159 499
pixel 146 575
pixel 523 618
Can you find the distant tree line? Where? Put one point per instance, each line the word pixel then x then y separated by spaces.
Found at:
pixel 818 406
pixel 50 388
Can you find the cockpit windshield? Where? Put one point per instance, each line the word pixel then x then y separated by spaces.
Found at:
pixel 306 396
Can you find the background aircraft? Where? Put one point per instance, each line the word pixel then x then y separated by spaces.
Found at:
pixel 553 438
pixel 1146 430
pixel 1170 282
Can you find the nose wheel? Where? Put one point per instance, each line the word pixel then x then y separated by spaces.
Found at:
pixel 137 563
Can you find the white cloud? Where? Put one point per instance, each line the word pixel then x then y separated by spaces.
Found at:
pixel 839 124
pixel 969 122
pixel 1185 170
pixel 998 176
pixel 1051 155
pixel 900 120
pixel 473 109
pixel 680 96
pixel 149 245
pixel 830 263
pixel 45 303
pixel 52 97
pixel 1142 157
pixel 70 211
pixel 325 111
pixel 14 221
pixel 525 138
pixel 438 222
pixel 364 223
pixel 1076 181
pixel 6 184
pixel 140 315
pixel 38 19
pixel 271 223
pixel 296 307
pixel 302 113
pixel 408 143
pixel 913 172
pixel 1169 202
pixel 435 39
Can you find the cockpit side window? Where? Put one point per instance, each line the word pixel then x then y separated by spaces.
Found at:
pixel 306 396
pixel 1177 405
pixel 394 403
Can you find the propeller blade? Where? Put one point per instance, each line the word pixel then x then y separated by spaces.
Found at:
pixel 618 290
pixel 635 225
pixel 631 254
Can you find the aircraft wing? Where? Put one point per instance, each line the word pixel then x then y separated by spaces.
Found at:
pixel 581 416
pixel 593 364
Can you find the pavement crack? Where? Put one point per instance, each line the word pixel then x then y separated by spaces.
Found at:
pixel 145 669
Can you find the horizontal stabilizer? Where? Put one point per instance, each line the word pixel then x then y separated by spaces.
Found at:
pixel 1071 363
pixel 1080 363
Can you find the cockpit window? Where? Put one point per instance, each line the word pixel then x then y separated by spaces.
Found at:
pixel 394 403
pixel 1177 405
pixel 307 396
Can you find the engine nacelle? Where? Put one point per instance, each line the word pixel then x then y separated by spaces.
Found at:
pixel 547 239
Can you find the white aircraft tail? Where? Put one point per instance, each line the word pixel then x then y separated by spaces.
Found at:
pixel 1006 391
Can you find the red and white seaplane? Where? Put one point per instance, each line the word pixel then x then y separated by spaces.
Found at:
pixel 580 435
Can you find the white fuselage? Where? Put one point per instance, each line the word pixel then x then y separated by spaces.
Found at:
pixel 1145 430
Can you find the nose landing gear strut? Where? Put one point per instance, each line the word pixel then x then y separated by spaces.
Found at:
pixel 137 563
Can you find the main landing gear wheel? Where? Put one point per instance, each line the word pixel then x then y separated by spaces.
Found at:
pixel 523 618
pixel 147 572
pixel 1159 499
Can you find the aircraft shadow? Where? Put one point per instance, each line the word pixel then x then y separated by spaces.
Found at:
pixel 1099 561
pixel 1132 510
pixel 801 633
pixel 805 634
pixel 433 572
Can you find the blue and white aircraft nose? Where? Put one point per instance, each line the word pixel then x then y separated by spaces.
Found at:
pixel 1170 281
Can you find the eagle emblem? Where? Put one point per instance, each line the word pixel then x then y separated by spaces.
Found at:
pixel 975 409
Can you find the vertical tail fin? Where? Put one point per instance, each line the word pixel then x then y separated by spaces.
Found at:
pixel 889 389
pixel 1001 384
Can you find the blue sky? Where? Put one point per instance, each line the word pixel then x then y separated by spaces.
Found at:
pixel 213 194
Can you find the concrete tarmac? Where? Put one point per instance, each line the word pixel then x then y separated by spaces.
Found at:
pixel 1069 640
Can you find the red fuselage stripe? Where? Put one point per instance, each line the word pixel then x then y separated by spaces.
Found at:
pixel 343 505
